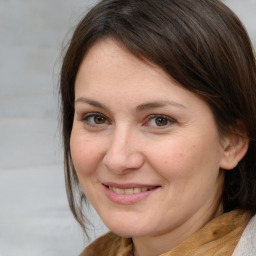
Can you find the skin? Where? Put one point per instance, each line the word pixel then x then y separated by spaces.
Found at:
pixel 179 151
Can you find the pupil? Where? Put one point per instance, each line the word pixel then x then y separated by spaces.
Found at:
pixel 99 120
pixel 160 121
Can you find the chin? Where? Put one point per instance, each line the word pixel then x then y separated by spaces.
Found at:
pixel 129 220
pixel 128 233
pixel 127 228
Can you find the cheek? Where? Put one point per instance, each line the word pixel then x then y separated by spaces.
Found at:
pixel 185 160
pixel 171 160
pixel 85 153
pixel 190 174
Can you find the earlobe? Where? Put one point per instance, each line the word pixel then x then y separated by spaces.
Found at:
pixel 235 148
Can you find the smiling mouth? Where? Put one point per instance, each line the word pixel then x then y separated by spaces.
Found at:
pixel 130 191
pixel 129 194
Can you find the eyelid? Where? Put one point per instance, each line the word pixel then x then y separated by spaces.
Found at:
pixel 89 114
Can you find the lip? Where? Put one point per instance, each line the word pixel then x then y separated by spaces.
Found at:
pixel 128 199
pixel 129 185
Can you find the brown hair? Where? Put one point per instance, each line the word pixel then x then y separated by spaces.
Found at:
pixel 199 43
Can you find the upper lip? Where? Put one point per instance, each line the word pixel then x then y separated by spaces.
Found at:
pixel 129 185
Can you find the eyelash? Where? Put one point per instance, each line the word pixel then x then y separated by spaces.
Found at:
pixel 163 117
pixel 150 118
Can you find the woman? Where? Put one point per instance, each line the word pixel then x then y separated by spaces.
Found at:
pixel 157 104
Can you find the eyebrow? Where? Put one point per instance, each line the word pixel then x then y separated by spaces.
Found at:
pixel 91 102
pixel 158 104
pixel 140 108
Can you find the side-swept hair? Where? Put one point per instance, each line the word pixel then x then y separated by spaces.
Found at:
pixel 199 43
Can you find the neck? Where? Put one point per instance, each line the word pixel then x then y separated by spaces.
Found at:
pixel 159 244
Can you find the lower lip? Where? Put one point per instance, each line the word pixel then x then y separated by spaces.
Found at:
pixel 128 199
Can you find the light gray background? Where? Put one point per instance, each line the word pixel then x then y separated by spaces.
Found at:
pixel 34 215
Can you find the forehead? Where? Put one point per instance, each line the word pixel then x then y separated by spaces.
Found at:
pixel 109 55
pixel 108 71
pixel 107 63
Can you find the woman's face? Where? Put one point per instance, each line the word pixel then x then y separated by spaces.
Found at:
pixel 146 151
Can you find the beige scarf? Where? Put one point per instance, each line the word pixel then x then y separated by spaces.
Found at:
pixel 219 237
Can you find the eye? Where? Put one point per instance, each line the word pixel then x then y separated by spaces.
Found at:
pixel 94 119
pixel 159 121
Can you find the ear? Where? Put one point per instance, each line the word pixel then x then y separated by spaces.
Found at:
pixel 235 146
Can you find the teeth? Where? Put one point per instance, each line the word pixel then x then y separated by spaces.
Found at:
pixel 128 191
pixel 118 190
pixel 137 190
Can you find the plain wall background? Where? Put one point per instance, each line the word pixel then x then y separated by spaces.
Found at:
pixel 34 215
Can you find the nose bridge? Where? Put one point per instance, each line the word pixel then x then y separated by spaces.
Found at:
pixel 123 153
pixel 120 138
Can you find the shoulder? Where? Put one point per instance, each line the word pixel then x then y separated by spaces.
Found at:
pixel 247 243
pixel 109 245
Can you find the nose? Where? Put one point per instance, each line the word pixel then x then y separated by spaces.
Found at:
pixel 124 153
